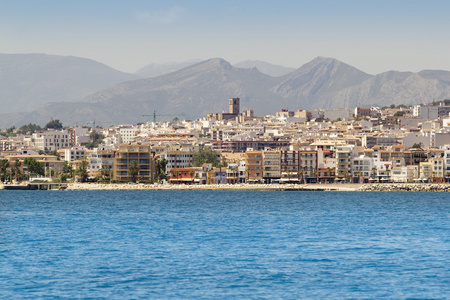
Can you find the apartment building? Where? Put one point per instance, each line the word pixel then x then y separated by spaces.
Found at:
pixel 271 165
pixel 308 160
pixel 290 166
pixel 126 155
pixel 51 140
pixel 344 156
pixel 177 159
pixel 254 165
pixel 73 153
pixel 362 168
pixel 50 163
pixel 433 169
pixel 127 134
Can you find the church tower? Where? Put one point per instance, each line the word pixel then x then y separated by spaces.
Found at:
pixel 234 106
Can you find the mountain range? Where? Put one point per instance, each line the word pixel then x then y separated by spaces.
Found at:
pixel 28 81
pixel 205 87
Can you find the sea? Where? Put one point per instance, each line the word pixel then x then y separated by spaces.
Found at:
pixel 224 245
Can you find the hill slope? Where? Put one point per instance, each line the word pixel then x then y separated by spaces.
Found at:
pixel 265 67
pixel 205 87
pixel 28 81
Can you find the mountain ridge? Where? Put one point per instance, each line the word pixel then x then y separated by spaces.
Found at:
pixel 45 78
pixel 204 87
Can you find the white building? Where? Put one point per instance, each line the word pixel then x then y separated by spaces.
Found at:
pixel 51 140
pixel 177 159
pixel 344 158
pixel 74 153
pixel 95 162
pixel 127 134
pixel 404 174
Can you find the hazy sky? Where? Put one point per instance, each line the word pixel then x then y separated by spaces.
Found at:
pixel 374 36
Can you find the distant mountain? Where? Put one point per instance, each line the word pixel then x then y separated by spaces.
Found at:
pixel 206 86
pixel 28 81
pixel 264 67
pixel 154 70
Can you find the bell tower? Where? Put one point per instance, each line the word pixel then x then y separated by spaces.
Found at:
pixel 234 106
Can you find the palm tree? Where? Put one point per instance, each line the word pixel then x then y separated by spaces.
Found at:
pixel 345 173
pixel 300 174
pixel 82 168
pixel 160 168
pixel 329 170
pixel 4 166
pixel 288 173
pixel 133 170
pixel 191 173
pixel 220 166
pixel 358 174
pixel 105 173
pixel 374 172
pixel 17 169
pixel 248 170
pixel 263 169
pixel 176 174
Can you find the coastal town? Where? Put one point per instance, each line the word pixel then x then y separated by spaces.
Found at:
pixel 395 144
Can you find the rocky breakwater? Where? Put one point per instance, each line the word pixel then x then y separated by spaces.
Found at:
pixel 405 187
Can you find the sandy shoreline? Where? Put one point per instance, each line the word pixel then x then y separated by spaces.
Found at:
pixel 236 187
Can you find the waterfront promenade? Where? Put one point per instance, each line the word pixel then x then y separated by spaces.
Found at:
pixel 346 187
pixel 237 187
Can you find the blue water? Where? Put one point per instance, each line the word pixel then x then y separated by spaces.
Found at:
pixel 224 244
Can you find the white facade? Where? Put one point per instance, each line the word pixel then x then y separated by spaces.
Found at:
pixel 127 134
pixel 178 159
pixel 363 166
pixel 404 174
pixel 344 158
pixel 51 140
pixel 74 153
pixel 95 162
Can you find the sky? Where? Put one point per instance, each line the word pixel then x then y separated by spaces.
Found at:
pixel 373 36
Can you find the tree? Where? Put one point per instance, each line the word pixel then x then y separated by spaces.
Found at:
pixel 388 171
pixel 28 129
pixel 68 169
pixel 205 155
pixel 417 145
pixel 345 173
pixel 82 169
pixel 17 169
pixel 220 166
pixel 11 131
pixel 399 114
pixel 95 139
pixel 358 174
pixel 191 173
pixel 133 171
pixel 160 168
pixel 54 124
pixel 288 172
pixel 4 166
pixel 248 170
pixel 300 175
pixel 105 174
pixel 33 166
pixel 374 171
